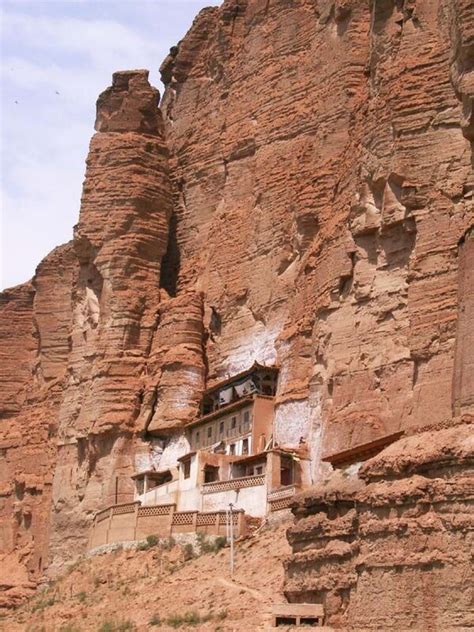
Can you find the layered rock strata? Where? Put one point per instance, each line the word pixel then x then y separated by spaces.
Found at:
pixel 77 353
pixel 34 337
pixel 304 198
pixel 400 537
pixel 322 170
pixel 119 242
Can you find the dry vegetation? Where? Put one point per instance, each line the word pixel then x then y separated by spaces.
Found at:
pixel 162 586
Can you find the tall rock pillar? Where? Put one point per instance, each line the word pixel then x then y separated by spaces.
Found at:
pixel 119 242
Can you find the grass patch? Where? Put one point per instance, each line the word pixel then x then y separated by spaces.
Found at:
pixel 42 604
pixel 149 542
pixel 191 618
pixel 211 546
pixel 117 626
pixel 188 550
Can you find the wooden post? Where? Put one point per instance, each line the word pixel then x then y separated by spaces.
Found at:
pixel 171 514
pixel 137 506
pixel 231 515
pixel 240 523
pixel 273 471
pixel 111 510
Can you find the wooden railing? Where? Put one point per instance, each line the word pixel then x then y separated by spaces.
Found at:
pixel 281 498
pixel 233 483
pixel 282 492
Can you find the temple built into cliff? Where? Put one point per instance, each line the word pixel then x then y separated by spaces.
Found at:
pixel 229 457
pixel 226 457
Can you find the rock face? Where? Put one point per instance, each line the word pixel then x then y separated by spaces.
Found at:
pixel 303 197
pixel 34 332
pixel 119 242
pixel 333 187
pixel 401 538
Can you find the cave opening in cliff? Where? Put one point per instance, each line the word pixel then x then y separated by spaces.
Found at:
pixel 170 264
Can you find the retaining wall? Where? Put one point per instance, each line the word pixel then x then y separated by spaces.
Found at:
pixel 131 521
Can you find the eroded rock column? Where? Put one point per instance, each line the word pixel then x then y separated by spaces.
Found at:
pixel 119 241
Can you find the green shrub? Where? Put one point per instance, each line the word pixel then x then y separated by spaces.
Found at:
pixel 204 544
pixel 175 621
pixel 148 543
pixel 169 543
pixel 143 546
pixel 220 542
pixel 211 546
pixel 188 551
pixel 192 618
pixel 152 540
pixel 187 619
pixel 82 596
pixel 155 620
pixel 43 603
pixel 114 626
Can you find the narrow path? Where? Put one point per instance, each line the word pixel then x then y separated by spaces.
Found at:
pixel 231 584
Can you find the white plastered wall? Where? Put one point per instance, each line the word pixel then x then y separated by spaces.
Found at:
pixel 298 420
pixel 253 500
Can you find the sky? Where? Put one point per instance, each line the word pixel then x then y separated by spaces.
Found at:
pixel 55 59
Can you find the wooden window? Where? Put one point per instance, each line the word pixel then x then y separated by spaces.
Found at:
pixel 186 465
pixel 197 438
pixel 233 423
pixel 259 469
pixel 209 432
pixel 245 446
pixel 232 448
pixel 211 473
pixel 286 472
pixel 221 428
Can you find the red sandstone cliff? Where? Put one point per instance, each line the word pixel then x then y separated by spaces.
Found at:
pixel 303 197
